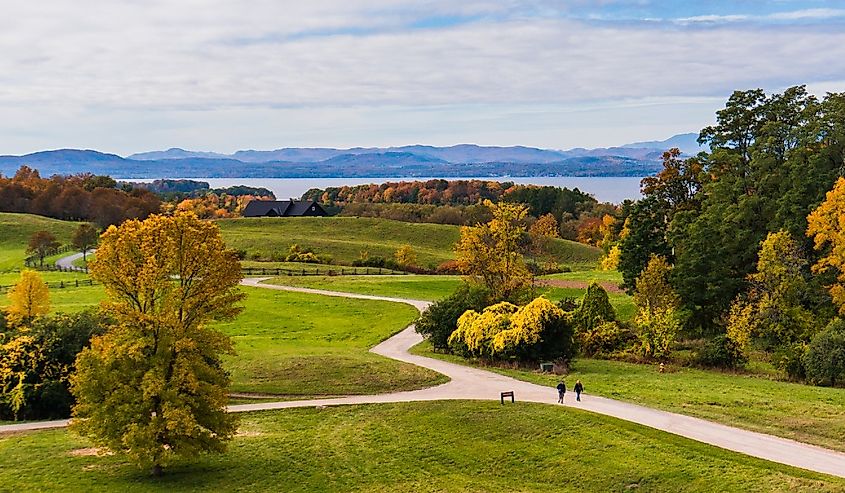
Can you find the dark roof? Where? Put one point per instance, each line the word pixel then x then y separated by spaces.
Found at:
pixel 283 208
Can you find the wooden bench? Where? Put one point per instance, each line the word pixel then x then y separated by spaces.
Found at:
pixel 507 394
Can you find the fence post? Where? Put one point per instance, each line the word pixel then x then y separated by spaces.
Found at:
pixel 77 283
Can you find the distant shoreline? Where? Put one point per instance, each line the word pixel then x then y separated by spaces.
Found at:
pixel 613 189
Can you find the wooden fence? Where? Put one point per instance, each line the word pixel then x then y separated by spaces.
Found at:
pixel 328 271
pixel 58 284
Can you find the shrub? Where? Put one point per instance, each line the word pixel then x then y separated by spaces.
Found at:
pixel 790 360
pixel 306 255
pixel 825 356
pixel 595 309
pixel 721 352
pixel 605 339
pixel 475 332
pixel 448 267
pixel 657 331
pixel 441 318
pixel 537 331
pixel 35 362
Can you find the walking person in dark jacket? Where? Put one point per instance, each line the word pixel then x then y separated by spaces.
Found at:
pixel 561 392
pixel 578 389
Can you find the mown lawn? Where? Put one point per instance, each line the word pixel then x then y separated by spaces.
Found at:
pixel 446 446
pixel 431 288
pixel 16 229
pixel 344 238
pixel 69 299
pixel 295 344
pixel 804 413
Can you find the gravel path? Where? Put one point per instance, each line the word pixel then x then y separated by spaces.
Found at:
pixel 66 263
pixel 477 384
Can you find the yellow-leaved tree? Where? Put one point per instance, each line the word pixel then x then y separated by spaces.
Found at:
pixel 491 253
pixel 827 227
pixel 405 256
pixel 29 298
pixel 153 386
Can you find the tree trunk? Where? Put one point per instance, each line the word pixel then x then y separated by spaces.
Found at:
pixel 157 471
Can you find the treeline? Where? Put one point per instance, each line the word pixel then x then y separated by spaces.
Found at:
pixel 773 159
pixel 578 214
pixel 176 190
pixel 82 197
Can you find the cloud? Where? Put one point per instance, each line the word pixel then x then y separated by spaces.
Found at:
pixel 147 57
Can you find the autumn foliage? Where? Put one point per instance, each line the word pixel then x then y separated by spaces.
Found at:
pixel 83 197
pixel 29 298
pixel 538 330
pixel 491 254
pixel 153 387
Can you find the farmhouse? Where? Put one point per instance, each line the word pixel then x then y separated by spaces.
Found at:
pixel 283 208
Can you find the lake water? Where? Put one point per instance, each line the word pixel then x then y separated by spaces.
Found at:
pixel 604 189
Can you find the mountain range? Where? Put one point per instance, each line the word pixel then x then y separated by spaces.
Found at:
pixel 463 160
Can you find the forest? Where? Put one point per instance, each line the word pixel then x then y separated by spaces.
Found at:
pixel 750 233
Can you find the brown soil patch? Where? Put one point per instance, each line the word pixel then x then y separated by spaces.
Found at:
pixel 87 452
pixel 610 287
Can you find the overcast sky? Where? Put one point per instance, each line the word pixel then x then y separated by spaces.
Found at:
pixel 125 76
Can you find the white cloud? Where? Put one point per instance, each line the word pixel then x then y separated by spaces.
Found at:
pixel 218 57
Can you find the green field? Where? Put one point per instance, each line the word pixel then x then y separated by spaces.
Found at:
pixel 304 345
pixel 416 447
pixel 344 238
pixel 430 288
pixel 804 413
pixel 15 230
pixel 70 299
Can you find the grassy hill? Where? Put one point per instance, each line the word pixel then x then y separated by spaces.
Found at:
pixel 15 230
pixel 344 238
pixel 450 446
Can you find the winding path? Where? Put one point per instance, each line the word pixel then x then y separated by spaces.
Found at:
pixel 66 263
pixel 476 384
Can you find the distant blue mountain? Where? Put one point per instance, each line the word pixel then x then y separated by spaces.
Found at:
pixel 637 159
pixel 687 143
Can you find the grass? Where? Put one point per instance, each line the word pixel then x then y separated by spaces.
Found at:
pixel 804 413
pixel 344 238
pixel 430 288
pixel 296 344
pixel 587 276
pixel 68 300
pixel 416 447
pixel 16 229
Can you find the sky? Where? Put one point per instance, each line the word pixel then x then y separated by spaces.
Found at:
pixel 127 76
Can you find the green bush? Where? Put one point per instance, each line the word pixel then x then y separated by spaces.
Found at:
pixel 825 356
pixel 441 319
pixel 721 352
pixel 790 360
pixel 657 331
pixel 605 339
pixel 36 360
pixel 595 309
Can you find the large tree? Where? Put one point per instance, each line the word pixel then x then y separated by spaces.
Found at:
pixel 153 386
pixel 85 238
pixel 825 226
pixel 492 253
pixel 42 244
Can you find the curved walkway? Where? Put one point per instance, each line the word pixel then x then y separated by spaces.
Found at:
pixel 66 263
pixel 476 384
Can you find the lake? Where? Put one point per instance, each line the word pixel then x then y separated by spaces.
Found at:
pixel 605 189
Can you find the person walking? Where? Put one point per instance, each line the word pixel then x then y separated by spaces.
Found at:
pixel 561 392
pixel 578 389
